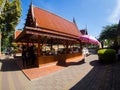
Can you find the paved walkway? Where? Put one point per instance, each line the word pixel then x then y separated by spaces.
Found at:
pixel 89 75
pixel 11 77
pixel 65 78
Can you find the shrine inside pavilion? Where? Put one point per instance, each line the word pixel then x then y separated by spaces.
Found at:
pixel 55 38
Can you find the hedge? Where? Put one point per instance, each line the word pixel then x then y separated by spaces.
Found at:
pixel 107 55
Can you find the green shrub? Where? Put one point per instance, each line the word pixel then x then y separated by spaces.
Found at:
pixel 106 55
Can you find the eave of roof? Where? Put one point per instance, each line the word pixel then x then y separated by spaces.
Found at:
pixel 17 33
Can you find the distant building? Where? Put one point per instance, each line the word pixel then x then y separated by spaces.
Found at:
pixel 84 32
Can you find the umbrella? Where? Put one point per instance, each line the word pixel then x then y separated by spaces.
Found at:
pixel 88 39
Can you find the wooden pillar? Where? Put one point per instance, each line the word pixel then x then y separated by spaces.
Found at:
pixel 38 46
pixel 66 47
pixel 81 46
pixel 38 52
pixel 27 42
pixel 51 44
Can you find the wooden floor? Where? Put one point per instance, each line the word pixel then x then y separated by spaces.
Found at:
pixel 46 69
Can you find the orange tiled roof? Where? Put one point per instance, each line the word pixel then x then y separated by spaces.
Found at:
pixel 45 19
pixel 17 33
pixel 42 22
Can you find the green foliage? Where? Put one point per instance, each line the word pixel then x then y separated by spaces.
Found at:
pixel 9 17
pixel 1 2
pixel 109 32
pixel 15 47
pixel 106 55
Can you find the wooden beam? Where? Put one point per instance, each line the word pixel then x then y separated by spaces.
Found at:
pixel 44 30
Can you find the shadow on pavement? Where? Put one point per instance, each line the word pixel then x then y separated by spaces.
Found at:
pixel 71 63
pixel 8 65
pixel 101 77
pixel 75 63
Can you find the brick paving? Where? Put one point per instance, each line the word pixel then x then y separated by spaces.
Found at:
pixel 46 69
pixel 89 75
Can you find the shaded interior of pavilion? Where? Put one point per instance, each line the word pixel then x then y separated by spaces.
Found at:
pixel 52 48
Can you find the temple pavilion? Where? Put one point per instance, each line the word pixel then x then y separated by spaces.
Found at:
pixel 54 38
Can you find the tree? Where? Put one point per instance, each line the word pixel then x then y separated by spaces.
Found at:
pixel 9 17
pixel 109 33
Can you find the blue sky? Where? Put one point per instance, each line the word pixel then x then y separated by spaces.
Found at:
pixel 90 14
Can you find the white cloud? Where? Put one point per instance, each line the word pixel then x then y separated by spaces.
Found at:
pixel 115 15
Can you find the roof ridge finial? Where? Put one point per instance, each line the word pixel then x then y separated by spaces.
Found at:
pixel 31 2
pixel 75 22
